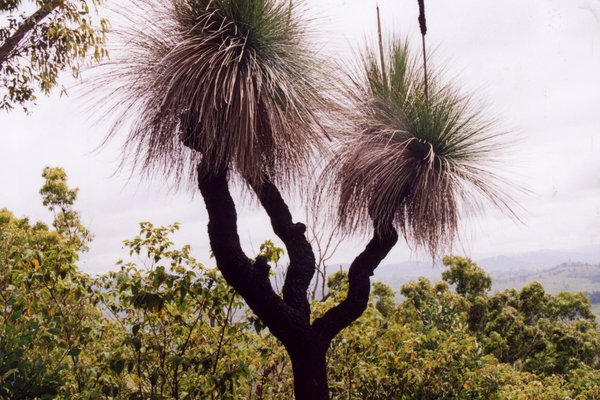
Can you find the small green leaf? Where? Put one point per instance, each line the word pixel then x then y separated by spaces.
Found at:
pixel 75 352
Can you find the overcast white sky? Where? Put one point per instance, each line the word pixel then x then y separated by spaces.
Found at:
pixel 536 64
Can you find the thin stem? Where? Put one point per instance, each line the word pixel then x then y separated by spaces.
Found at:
pixel 423 26
pixel 222 335
pixel 381 56
pixel 425 68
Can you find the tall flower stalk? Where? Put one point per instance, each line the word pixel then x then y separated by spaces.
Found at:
pixel 423 28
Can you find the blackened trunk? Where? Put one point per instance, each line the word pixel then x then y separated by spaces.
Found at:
pixel 288 318
pixel 310 373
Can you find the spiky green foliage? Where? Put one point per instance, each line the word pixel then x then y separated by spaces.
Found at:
pixel 408 158
pixel 234 80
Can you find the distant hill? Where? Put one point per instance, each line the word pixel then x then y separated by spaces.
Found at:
pixel 396 275
pixel 573 271
pixel 501 267
pixel 566 277
pixel 539 260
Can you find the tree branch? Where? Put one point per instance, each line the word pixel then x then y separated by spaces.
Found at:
pixel 12 43
pixel 302 259
pixel 250 279
pixel 359 284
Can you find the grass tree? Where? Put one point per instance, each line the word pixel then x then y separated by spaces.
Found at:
pixel 232 89
pixel 412 158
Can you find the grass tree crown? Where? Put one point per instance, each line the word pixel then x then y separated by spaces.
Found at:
pixel 410 157
pixel 231 82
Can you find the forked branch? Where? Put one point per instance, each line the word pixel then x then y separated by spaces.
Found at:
pixel 250 279
pixel 302 259
pixel 359 284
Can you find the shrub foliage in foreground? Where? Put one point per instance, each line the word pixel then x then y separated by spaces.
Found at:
pixel 162 326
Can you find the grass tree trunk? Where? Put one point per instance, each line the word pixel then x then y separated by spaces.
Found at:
pixel 288 316
pixel 310 372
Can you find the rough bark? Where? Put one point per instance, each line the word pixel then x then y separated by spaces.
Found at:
pixel 288 318
pixel 250 279
pixel 310 373
pixel 302 259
